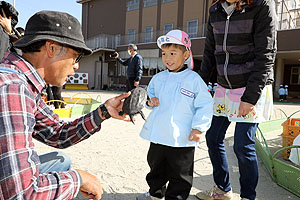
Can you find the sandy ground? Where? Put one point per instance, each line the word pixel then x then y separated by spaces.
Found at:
pixel 117 156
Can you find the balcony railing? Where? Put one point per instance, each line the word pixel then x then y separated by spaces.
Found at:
pixel 113 41
pixel 288 13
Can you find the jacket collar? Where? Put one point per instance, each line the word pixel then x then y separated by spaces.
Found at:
pixel 23 66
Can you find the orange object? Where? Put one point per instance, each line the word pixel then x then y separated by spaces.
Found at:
pixel 291 129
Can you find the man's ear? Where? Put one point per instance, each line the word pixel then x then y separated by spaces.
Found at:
pixel 50 48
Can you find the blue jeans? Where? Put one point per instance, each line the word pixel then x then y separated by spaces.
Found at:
pixel 54 161
pixel 244 150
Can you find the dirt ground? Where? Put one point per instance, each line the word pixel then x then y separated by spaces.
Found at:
pixel 117 156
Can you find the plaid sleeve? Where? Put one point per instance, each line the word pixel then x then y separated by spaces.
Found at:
pixel 19 163
pixel 59 134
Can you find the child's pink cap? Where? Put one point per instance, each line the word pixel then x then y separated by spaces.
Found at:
pixel 178 37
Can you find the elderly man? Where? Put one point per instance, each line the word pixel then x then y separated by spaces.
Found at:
pixel 52 47
pixel 134 67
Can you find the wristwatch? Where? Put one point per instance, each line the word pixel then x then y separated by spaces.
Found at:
pixel 104 112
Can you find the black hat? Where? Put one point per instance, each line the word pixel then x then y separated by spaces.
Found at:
pixel 55 26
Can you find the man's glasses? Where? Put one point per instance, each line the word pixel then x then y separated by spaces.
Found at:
pixel 81 54
pixel 79 58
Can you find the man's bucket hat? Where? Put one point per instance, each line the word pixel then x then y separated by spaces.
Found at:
pixel 178 37
pixel 55 26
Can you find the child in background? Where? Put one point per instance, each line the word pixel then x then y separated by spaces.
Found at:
pixel 281 93
pixel 286 92
pixel 182 111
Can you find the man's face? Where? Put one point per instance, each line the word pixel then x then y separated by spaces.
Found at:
pixel 63 65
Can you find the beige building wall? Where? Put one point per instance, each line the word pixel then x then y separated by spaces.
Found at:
pixel 149 19
pixel 169 14
pixel 132 22
pixel 193 10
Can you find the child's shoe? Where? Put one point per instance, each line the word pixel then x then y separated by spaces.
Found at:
pixel 146 196
pixel 215 193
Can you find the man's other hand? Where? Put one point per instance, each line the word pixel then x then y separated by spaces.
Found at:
pixel 90 187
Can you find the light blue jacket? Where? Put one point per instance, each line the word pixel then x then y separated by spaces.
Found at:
pixel 185 104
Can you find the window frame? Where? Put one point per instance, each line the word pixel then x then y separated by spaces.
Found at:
pixel 131 35
pixel 149 3
pixel 165 32
pixel 132 5
pixel 192 35
pixel 167 1
pixel 292 73
pixel 150 39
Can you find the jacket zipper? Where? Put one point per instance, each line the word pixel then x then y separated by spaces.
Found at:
pixel 225 50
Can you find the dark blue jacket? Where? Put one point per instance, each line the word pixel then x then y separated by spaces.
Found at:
pixel 241 47
pixel 135 67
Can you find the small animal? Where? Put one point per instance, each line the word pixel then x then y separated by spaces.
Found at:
pixel 134 104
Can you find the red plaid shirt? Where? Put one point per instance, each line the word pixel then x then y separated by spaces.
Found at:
pixel 24 116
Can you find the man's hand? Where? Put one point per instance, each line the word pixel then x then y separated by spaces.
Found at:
pixel 153 102
pixel 136 83
pixel 114 106
pixel 117 55
pixel 5 22
pixel 91 186
pixel 245 108
pixel 195 135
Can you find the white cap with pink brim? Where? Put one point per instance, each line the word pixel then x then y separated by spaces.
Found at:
pixel 178 37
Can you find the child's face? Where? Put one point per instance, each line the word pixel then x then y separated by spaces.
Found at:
pixel 173 58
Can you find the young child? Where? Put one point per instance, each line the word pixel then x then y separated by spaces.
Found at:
pixel 182 111
pixel 281 93
pixel 286 92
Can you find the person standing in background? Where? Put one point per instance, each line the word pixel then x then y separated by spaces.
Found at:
pixel 241 44
pixel 8 33
pixel 286 92
pixel 281 93
pixel 135 67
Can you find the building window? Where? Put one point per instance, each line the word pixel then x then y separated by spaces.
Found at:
pixel 132 5
pixel 148 34
pixel 166 1
pixel 117 40
pixel 148 3
pixel 131 36
pixel 192 28
pixel 167 28
pixel 295 76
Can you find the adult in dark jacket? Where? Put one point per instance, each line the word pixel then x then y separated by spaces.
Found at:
pixel 241 45
pixel 134 69
pixel 8 34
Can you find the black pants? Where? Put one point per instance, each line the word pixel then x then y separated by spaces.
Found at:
pixel 173 165
pixel 130 83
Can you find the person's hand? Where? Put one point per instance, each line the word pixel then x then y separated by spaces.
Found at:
pixel 91 187
pixel 195 135
pixel 153 102
pixel 245 108
pixel 5 22
pixel 117 55
pixel 136 83
pixel 114 106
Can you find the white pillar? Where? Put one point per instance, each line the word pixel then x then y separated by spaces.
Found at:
pixel 278 76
